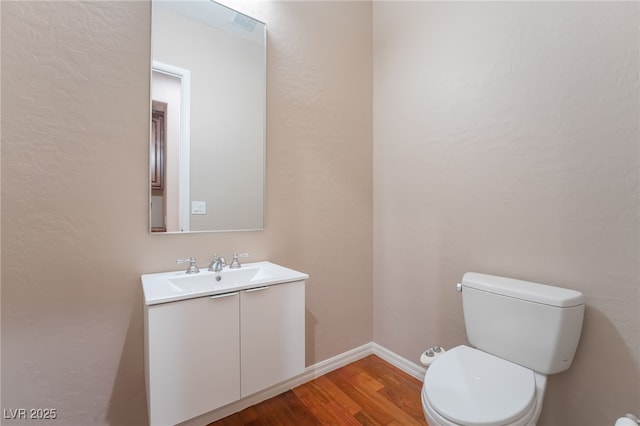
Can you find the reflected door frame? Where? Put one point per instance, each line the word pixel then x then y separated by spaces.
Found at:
pixel 157 154
pixel 184 160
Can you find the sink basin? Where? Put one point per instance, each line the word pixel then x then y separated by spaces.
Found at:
pixel 173 286
pixel 202 281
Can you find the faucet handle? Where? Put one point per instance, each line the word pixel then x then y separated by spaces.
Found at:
pixel 235 262
pixel 193 267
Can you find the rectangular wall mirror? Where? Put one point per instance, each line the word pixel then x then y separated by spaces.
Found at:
pixel 208 101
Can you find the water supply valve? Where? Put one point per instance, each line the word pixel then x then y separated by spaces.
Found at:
pixel 430 354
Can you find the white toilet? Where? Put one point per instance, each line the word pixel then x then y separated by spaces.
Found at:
pixel 521 332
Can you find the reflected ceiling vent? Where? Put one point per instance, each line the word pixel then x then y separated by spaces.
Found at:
pixel 244 22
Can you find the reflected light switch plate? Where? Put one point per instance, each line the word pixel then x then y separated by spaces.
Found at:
pixel 198 207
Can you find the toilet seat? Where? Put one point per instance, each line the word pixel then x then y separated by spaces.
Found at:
pixel 466 386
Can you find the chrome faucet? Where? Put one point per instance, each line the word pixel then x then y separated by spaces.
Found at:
pixel 217 264
pixel 235 262
pixel 193 267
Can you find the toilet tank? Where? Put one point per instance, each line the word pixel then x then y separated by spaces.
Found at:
pixel 535 325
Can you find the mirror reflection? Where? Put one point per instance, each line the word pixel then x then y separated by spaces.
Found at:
pixel 207 139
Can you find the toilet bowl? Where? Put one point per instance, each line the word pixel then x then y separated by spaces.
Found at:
pixel 520 332
pixel 466 386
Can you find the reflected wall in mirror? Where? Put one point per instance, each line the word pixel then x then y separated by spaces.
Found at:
pixel 208 100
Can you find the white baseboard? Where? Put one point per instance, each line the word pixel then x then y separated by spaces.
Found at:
pixel 310 373
pixel 397 361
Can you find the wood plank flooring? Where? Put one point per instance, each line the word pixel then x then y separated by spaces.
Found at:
pixel 367 392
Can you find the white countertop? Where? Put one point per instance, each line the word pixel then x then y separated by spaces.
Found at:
pixel 166 287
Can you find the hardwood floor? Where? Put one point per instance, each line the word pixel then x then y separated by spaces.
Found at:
pixel 367 392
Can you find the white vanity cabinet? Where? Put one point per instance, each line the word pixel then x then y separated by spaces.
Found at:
pixel 272 335
pixel 206 352
pixel 192 357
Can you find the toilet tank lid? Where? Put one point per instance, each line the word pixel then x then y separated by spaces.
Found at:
pixel 525 290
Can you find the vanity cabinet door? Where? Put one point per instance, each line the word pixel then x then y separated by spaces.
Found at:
pixel 193 353
pixel 272 338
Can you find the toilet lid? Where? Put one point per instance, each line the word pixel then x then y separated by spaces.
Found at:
pixel 474 388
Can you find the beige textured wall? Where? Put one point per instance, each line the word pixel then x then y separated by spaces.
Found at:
pixel 506 142
pixel 75 88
